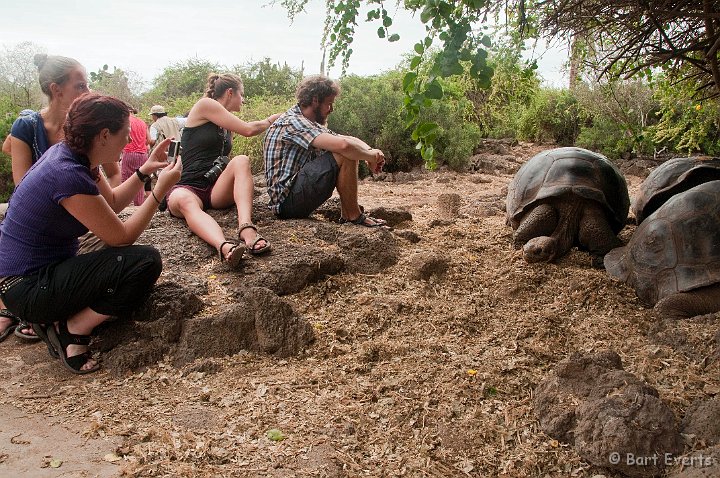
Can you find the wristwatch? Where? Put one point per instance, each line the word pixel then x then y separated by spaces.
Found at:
pixel 143 177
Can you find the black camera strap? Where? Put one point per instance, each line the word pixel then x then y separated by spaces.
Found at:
pixel 223 136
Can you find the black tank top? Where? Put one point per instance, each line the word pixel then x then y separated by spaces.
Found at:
pixel 201 145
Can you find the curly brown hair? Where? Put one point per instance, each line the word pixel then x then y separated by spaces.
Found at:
pixel 88 115
pixel 316 86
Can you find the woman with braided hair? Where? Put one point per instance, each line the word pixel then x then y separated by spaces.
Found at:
pixel 212 181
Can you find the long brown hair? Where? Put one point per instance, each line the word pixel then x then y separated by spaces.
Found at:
pixel 217 84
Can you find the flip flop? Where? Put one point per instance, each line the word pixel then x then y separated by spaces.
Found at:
pixel 251 247
pixel 236 254
pixel 24 326
pixel 261 250
pixel 362 221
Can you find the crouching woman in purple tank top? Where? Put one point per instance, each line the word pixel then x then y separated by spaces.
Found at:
pixel 63 295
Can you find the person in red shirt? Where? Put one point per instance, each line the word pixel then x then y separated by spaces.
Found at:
pixel 135 154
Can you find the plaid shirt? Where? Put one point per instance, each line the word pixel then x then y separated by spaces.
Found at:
pixel 287 149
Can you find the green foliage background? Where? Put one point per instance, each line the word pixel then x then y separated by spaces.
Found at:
pixel 616 117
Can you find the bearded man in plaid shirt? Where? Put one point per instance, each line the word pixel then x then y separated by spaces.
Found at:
pixel 305 161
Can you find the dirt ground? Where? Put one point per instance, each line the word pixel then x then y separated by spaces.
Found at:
pixel 408 376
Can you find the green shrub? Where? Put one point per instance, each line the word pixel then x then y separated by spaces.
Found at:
pixel 457 135
pixel 257 108
pixel 370 109
pixel 618 116
pixel 552 116
pixel 514 86
pixel 6 181
pixel 456 145
pixel 179 80
pixel 604 136
pixel 686 125
pixel 265 78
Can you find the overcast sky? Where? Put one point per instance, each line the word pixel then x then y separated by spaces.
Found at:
pixel 144 36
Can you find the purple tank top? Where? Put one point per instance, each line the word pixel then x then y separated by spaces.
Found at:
pixel 37 230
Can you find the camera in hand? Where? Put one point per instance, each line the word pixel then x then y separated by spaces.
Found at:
pixel 173 150
pixel 217 168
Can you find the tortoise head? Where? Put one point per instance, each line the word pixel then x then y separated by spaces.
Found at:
pixel 540 249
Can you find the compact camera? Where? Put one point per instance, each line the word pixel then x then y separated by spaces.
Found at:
pixel 173 151
pixel 218 167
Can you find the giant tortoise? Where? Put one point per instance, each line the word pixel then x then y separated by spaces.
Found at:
pixel 566 197
pixel 673 258
pixel 672 177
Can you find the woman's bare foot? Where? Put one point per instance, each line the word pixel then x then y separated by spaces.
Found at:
pixel 72 343
pixel 7 325
pixel 25 331
pixel 231 253
pixel 248 235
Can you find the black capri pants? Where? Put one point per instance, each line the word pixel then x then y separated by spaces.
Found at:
pixel 113 281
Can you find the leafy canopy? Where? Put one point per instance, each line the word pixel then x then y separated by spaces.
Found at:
pixel 451 43
pixel 626 37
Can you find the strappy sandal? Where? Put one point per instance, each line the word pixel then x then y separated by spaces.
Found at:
pixel 41 331
pixel 362 221
pixel 236 254
pixel 61 339
pixel 14 321
pixel 251 247
pixel 24 326
pixel 378 221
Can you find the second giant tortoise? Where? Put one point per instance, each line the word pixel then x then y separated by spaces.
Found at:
pixel 673 258
pixel 567 197
pixel 672 177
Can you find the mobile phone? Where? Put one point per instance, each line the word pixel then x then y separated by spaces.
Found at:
pixel 173 151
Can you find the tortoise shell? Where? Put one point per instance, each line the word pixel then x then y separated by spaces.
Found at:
pixel 569 171
pixel 672 177
pixel 675 249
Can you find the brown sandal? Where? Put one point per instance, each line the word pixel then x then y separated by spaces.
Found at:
pixel 236 254
pixel 251 247
pixel 366 221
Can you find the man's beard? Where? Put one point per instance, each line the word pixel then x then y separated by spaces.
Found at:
pixel 319 118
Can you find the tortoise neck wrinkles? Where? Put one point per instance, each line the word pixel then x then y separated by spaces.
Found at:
pixel 569 210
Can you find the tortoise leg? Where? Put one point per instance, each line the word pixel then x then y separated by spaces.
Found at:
pixel 595 234
pixel 683 305
pixel 540 221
